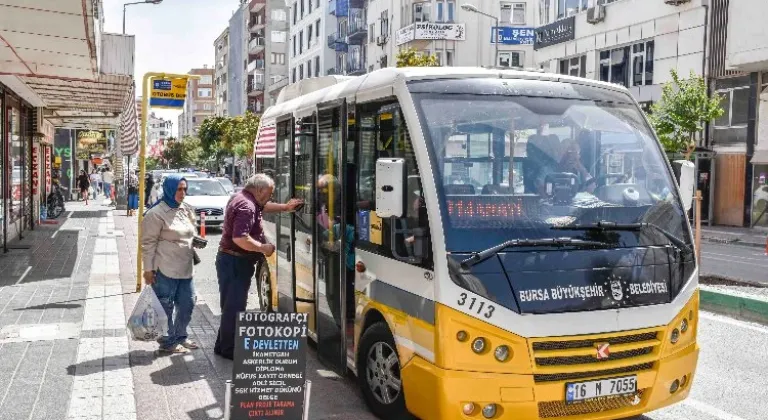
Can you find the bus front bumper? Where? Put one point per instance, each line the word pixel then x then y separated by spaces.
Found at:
pixel 434 393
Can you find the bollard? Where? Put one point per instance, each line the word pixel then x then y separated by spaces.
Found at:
pixel 697 224
pixel 227 400
pixel 307 392
pixel 202 224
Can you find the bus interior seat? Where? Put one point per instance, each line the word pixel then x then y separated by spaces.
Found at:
pixel 459 189
pixel 491 189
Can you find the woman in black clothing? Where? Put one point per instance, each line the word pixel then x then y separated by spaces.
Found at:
pixel 83 182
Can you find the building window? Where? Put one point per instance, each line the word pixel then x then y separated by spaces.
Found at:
pixel 309 36
pixel 317 29
pixel 309 69
pixel 385 23
pixel 301 42
pixel 372 33
pixel 204 93
pixel 309 6
pixel 317 66
pixel 731 127
pixel 576 66
pixel 293 75
pixel 302 8
pixel 206 79
pixel 279 15
pixel 567 8
pixel 545 7
pixel 280 58
pixel 301 71
pixel 273 58
pixel 448 58
pixel 615 65
pixel 294 45
pixel 279 36
pixel 295 13
pixel 207 107
pixel 511 59
pixel 512 14
pixel 421 12
pixel 445 10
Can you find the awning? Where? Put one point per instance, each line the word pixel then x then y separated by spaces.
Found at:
pixel 129 130
pixel 265 142
pixel 760 157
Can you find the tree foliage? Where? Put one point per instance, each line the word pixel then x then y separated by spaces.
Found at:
pixel 224 136
pixel 409 57
pixel 683 111
pixel 184 153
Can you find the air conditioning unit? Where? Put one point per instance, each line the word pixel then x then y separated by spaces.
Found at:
pixel 596 14
pixel 381 40
pixel 676 2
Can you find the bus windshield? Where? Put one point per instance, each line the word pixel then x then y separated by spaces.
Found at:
pixel 526 167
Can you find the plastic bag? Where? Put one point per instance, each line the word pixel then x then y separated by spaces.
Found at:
pixel 148 321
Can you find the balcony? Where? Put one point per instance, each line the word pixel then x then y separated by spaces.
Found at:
pixel 337 42
pixel 255 107
pixel 257 5
pixel 257 24
pixel 255 65
pixel 355 66
pixel 255 88
pixel 256 45
pixel 358 29
pixel 335 71
pixel 338 8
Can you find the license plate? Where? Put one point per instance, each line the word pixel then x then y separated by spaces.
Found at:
pixel 581 391
pixel 212 218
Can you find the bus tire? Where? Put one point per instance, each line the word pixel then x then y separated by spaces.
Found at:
pixel 264 287
pixel 378 373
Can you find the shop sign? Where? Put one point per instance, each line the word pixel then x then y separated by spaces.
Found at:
pixel 89 143
pixel 35 169
pixel 48 171
pixel 513 36
pixel 268 376
pixel 431 31
pixel 168 93
pixel 556 32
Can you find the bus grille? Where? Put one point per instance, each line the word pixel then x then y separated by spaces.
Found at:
pixel 550 409
pixel 579 360
pixel 576 343
pixel 555 377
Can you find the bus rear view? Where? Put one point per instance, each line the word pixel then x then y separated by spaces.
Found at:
pixel 567 239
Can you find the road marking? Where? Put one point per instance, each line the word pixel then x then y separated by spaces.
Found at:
pixel 730 259
pixel 734 322
pixel 712 411
pixel 54 234
pixel 737 256
pixel 29 267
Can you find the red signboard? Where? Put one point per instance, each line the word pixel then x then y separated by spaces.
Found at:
pixel 47 168
pixel 35 169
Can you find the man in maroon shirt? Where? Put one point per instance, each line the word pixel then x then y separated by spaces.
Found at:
pixel 240 249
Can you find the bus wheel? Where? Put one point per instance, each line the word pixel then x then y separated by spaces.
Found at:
pixel 379 373
pixel 264 288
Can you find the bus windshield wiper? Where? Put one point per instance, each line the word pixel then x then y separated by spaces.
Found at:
pixel 636 227
pixel 483 255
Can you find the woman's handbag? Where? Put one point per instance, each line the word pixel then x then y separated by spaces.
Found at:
pixel 195 257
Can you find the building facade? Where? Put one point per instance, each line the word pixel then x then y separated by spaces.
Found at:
pixel 237 81
pixel 309 53
pixel 200 101
pixel 221 46
pixel 267 69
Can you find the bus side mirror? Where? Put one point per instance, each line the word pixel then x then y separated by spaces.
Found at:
pixel 390 187
pixel 685 172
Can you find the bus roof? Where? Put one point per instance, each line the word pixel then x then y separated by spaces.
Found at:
pixel 301 98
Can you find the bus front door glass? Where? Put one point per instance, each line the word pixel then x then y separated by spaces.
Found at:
pixel 328 243
pixel 304 220
pixel 283 220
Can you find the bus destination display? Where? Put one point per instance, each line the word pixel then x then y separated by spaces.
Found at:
pixel 268 377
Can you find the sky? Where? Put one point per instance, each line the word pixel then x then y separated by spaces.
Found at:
pixel 173 37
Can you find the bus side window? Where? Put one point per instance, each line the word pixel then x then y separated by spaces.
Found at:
pixel 383 133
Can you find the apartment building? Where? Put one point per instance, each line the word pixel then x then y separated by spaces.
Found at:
pixel 200 102
pixel 158 129
pixel 348 36
pixel 221 47
pixel 458 36
pixel 266 52
pixel 309 53
pixel 237 61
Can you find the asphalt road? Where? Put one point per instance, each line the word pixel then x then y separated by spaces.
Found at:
pixel 730 383
pixel 735 262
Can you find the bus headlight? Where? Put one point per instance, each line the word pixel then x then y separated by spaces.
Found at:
pixel 462 336
pixel 502 353
pixel 675 336
pixel 489 410
pixel 478 346
pixel 684 325
pixel 468 408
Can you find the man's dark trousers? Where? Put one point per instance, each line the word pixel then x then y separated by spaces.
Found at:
pixel 235 274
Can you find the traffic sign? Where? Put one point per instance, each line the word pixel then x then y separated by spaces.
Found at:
pixel 168 93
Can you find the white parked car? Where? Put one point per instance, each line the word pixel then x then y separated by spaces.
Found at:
pixel 209 196
pixel 157 190
pixel 227 184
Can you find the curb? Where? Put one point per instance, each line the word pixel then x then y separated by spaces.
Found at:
pixel 728 241
pixel 740 305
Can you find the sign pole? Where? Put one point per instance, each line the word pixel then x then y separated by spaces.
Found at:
pixel 697 222
pixel 145 104
pixel 307 392
pixel 228 400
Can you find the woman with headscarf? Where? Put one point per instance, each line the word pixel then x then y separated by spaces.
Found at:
pixel 133 193
pixel 167 248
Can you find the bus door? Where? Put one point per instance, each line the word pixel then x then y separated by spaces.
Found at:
pixel 282 193
pixel 329 238
pixel 304 219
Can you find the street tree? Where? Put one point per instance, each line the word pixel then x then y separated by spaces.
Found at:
pixel 242 134
pixel 682 112
pixel 409 57
pixel 184 153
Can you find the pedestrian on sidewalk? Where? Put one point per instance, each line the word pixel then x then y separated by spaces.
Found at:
pixel 242 246
pixel 95 183
pixel 84 183
pixel 168 230
pixel 107 179
pixel 133 193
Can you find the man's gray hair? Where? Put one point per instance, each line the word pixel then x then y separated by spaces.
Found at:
pixel 259 182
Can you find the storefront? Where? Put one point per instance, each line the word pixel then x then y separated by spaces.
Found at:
pixel 15 166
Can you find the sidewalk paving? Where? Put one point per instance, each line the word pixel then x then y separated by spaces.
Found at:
pixel 64 348
pixel 735 235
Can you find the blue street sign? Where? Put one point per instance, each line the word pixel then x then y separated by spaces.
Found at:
pixel 512 36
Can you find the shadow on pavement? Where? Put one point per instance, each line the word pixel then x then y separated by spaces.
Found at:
pixel 104 364
pixel 53 305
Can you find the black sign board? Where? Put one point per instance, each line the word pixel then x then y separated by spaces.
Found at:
pixel 555 33
pixel 268 376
